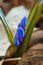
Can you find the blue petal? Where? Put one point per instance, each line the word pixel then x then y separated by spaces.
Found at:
pixel 16 42
pixel 20 33
pixel 23 22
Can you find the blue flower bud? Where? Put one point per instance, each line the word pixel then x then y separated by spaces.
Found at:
pixel 20 33
pixel 16 42
pixel 23 23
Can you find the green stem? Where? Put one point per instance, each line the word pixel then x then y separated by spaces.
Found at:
pixel 8 31
pixel 32 13
pixel 32 20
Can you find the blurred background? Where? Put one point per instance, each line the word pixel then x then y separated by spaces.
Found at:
pixel 8 4
pixel 14 11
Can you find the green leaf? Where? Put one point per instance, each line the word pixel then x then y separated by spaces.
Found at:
pixel 8 31
pixel 32 20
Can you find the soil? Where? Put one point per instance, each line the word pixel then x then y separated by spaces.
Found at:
pixel 34 56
